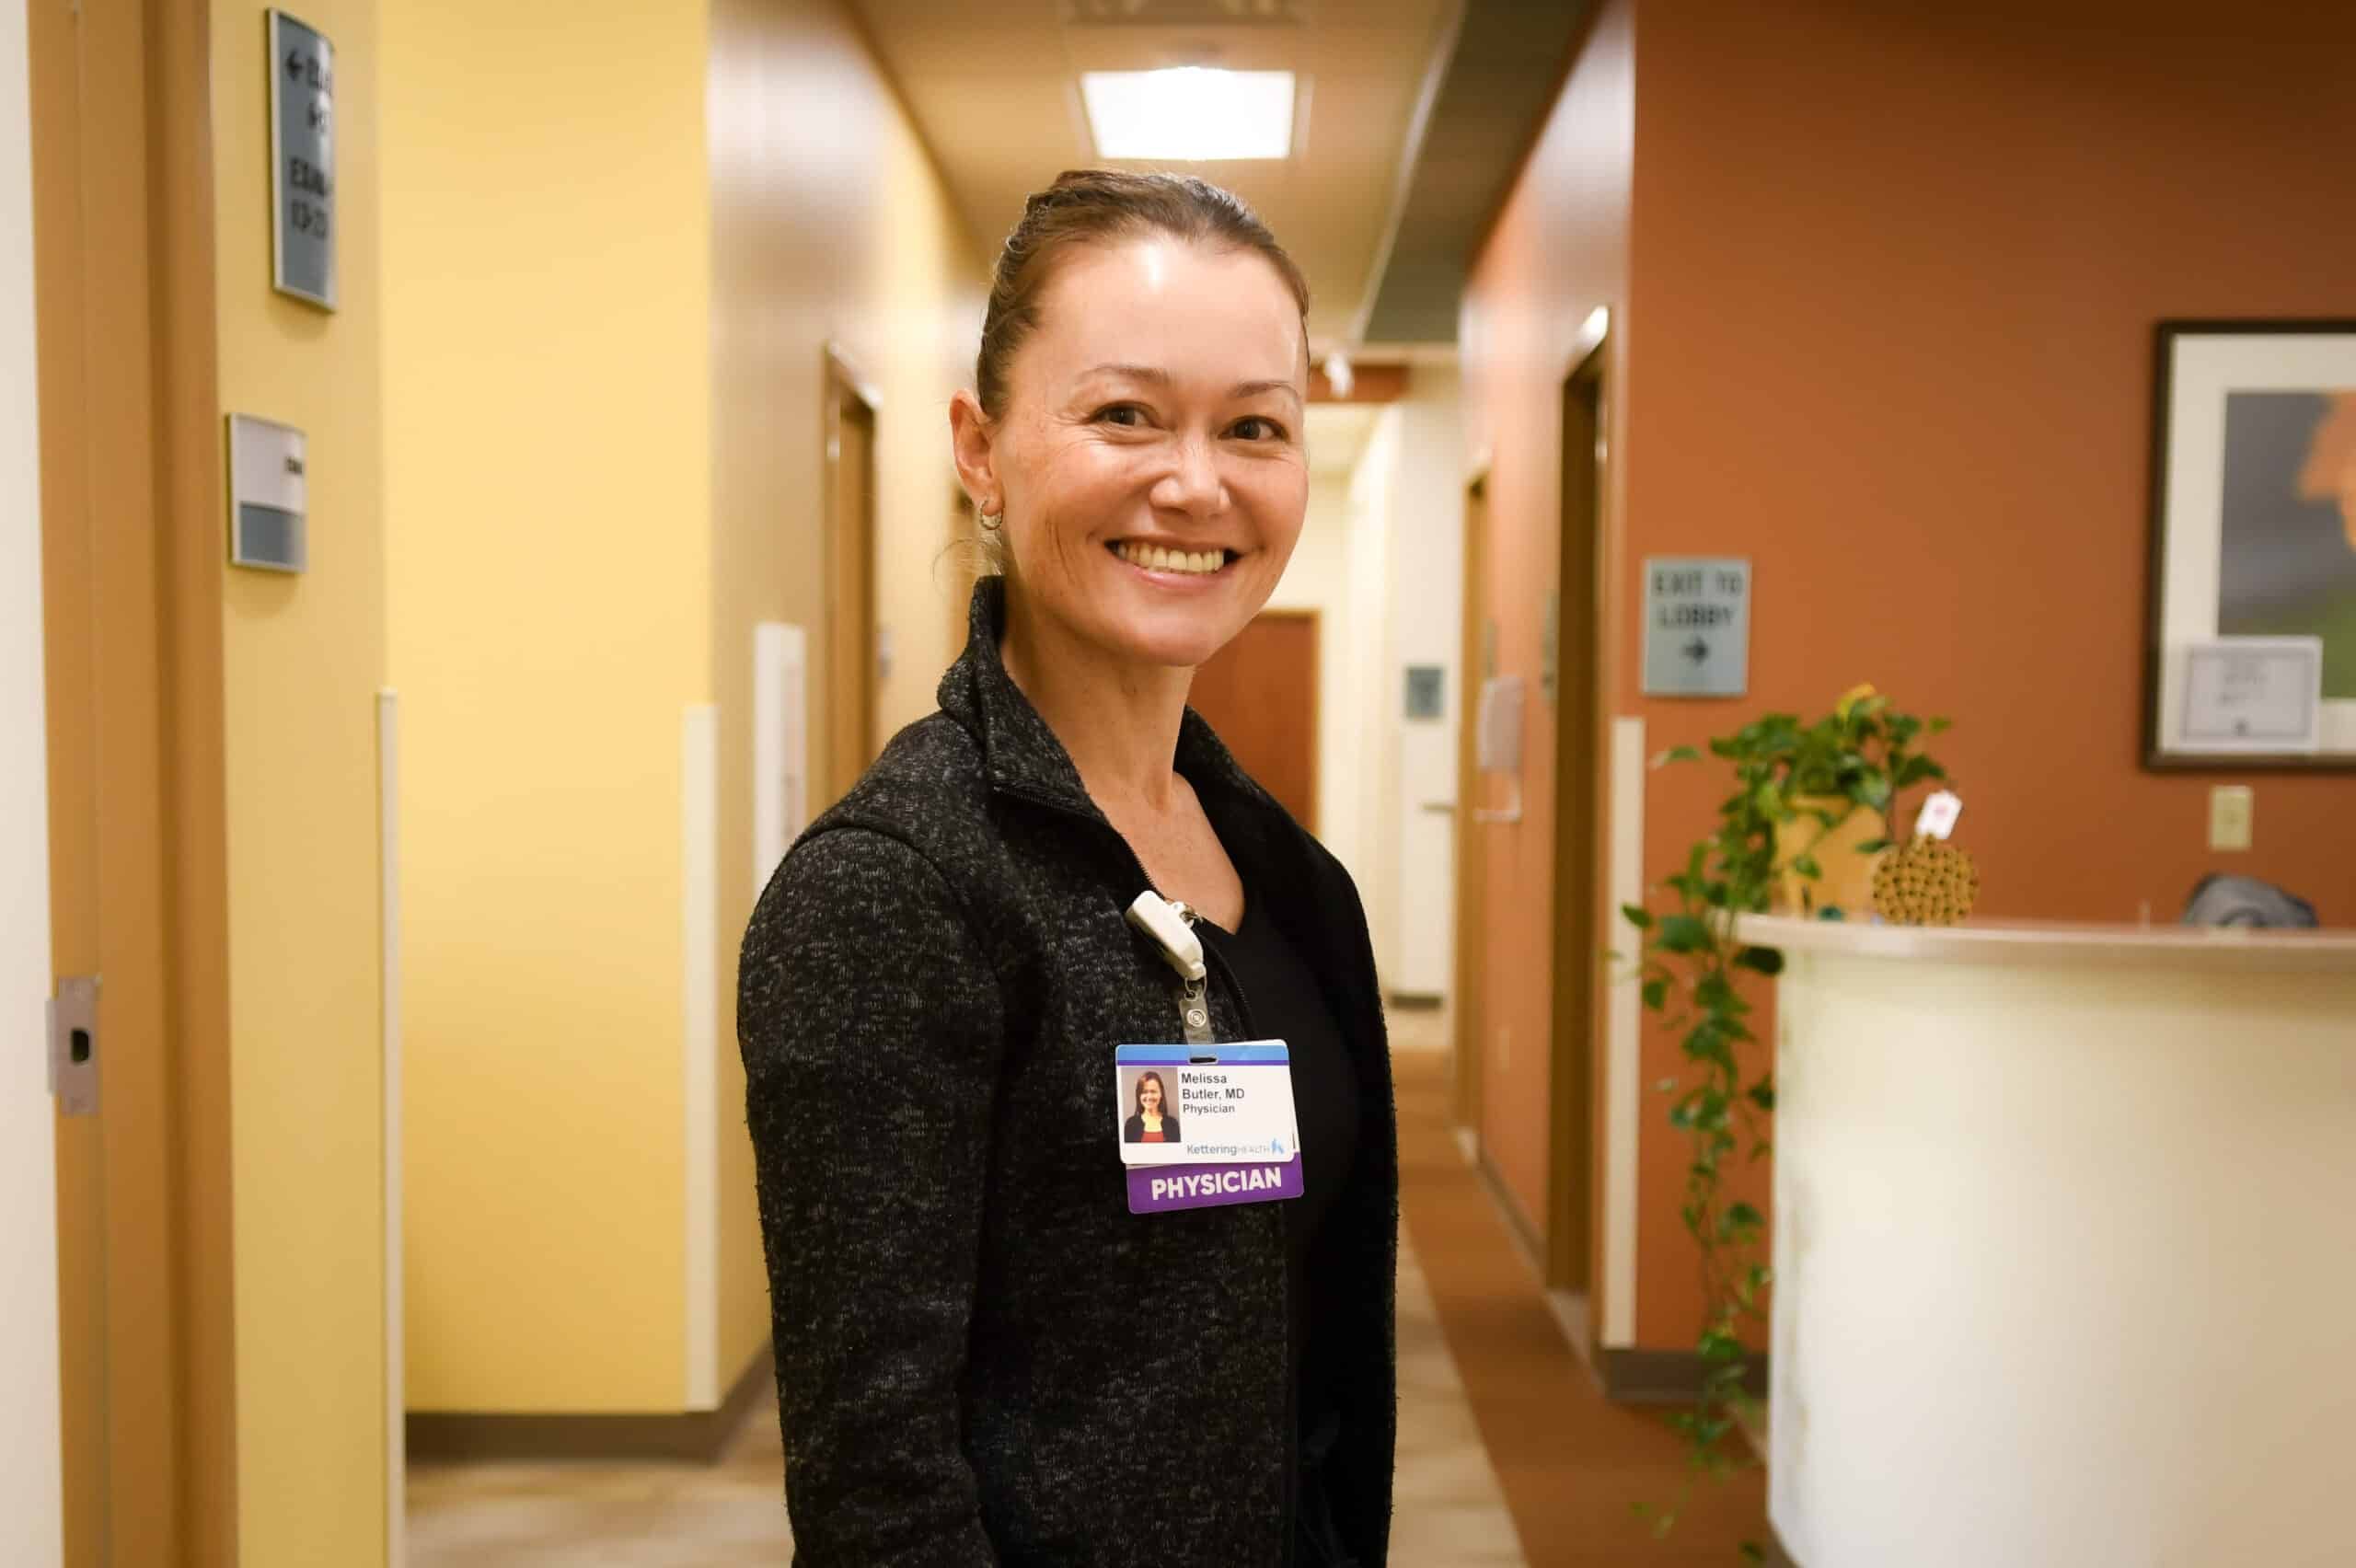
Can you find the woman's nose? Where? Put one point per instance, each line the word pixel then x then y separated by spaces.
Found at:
pixel 1193 484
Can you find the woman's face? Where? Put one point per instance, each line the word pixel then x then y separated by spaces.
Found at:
pixel 1150 1096
pixel 1150 464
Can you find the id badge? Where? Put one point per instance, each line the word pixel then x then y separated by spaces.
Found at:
pixel 1204 1126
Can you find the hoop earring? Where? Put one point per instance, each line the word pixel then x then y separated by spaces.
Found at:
pixel 991 522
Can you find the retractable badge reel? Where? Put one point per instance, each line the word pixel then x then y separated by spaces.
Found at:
pixel 1166 923
pixel 1225 1128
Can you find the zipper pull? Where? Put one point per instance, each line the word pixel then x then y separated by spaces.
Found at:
pixel 1182 951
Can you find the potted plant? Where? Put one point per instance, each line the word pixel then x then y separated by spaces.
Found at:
pixel 1807 817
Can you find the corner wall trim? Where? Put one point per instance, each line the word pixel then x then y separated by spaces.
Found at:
pixel 701 1437
pixel 1622 1044
pixel 388 915
pixel 699 1068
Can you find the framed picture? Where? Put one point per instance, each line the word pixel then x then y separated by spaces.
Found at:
pixel 2251 646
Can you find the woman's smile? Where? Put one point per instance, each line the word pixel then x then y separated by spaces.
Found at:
pixel 1176 564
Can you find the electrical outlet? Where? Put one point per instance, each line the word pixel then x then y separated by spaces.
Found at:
pixel 2231 807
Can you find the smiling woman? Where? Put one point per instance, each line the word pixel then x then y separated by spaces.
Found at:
pixel 936 980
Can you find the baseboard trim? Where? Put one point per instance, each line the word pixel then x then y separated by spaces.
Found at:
pixel 1527 1238
pixel 1666 1376
pixel 698 1437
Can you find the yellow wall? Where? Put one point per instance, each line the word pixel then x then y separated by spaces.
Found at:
pixel 830 223
pixel 546 389
pixel 304 656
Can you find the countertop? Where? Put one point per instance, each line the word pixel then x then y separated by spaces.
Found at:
pixel 2055 942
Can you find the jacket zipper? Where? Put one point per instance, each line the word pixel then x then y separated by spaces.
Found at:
pixel 1197 993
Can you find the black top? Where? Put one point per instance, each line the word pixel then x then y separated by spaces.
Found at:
pixel 1282 1002
pixel 983 1356
pixel 1133 1130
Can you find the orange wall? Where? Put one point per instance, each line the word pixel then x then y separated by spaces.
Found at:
pixel 1560 251
pixel 1892 277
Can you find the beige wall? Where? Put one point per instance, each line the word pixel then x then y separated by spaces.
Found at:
pixel 30 1477
pixel 548 460
pixel 1317 579
pixel 829 226
pixel 1415 760
pixel 303 658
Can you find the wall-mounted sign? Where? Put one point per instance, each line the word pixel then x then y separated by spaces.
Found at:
pixel 268 495
pixel 302 161
pixel 1423 699
pixel 1697 626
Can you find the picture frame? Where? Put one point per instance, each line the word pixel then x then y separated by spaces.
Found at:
pixel 2253 533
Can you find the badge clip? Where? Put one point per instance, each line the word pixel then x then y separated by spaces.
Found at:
pixel 1180 949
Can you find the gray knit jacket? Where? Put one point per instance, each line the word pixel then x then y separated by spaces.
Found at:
pixel 982 1357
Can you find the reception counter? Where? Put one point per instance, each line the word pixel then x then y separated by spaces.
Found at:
pixel 2065 1247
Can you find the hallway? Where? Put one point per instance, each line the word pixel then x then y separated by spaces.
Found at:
pixel 1509 1454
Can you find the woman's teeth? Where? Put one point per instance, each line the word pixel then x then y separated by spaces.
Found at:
pixel 1153 558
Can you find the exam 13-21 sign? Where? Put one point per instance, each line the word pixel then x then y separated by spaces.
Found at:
pixel 302 161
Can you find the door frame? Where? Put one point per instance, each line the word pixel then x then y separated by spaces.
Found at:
pixel 850 568
pixel 1472 880
pixel 133 544
pixel 1574 1169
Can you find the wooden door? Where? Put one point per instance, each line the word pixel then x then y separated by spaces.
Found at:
pixel 133 541
pixel 1577 771
pixel 850 579
pixel 1260 692
pixel 1475 664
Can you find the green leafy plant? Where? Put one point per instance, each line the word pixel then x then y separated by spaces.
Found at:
pixel 1693 968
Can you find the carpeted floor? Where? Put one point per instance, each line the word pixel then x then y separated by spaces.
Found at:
pixel 1573 1464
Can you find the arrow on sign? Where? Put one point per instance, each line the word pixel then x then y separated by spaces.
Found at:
pixel 1696 650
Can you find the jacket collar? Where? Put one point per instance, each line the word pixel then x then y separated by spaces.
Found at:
pixel 1021 753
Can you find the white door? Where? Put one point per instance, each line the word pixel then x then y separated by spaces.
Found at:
pixel 30 1480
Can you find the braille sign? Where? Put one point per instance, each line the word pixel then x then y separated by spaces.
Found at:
pixel 1697 626
pixel 302 161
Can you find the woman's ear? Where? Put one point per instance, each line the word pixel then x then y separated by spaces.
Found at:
pixel 970 445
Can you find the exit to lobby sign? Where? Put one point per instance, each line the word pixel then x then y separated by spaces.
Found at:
pixel 1697 625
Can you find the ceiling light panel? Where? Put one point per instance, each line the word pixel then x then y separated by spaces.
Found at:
pixel 1181 13
pixel 1190 114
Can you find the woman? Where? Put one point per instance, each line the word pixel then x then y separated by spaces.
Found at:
pixel 935 982
pixel 1149 1124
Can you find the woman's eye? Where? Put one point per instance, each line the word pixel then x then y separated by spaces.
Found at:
pixel 1255 428
pixel 1128 416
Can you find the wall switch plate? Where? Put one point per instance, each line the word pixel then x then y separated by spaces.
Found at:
pixel 2230 808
